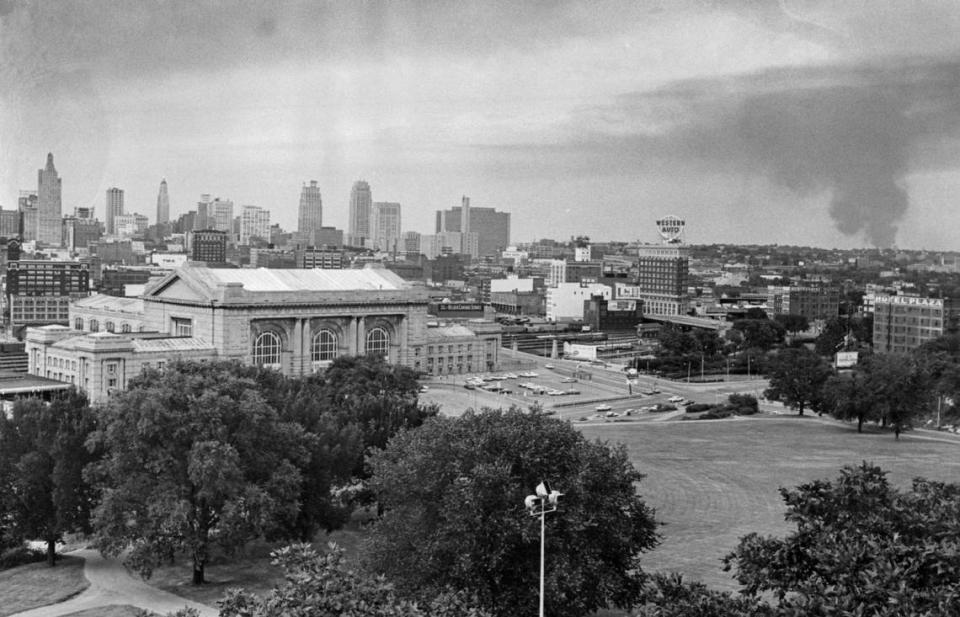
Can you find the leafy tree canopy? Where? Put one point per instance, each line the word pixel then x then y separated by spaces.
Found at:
pixel 324 586
pixel 796 377
pixel 861 547
pixel 453 493
pixel 42 492
pixel 194 457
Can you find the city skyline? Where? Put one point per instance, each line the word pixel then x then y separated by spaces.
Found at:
pixel 830 124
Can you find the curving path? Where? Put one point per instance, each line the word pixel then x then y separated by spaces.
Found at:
pixel 111 583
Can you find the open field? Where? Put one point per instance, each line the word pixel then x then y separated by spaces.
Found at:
pixel 37 584
pixel 712 482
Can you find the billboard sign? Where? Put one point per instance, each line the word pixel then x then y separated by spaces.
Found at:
pixel 846 359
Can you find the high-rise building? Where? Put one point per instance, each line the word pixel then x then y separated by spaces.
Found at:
pixel 27 205
pixel 11 224
pixel 220 215
pixel 114 208
pixel 903 323
pixel 492 227
pixel 310 215
pixel 40 292
pixel 49 206
pixel 163 204
pixel 385 225
pixel 361 203
pixel 410 243
pixel 208 246
pixel 202 220
pixel 254 223
pixel 128 225
pixel 662 276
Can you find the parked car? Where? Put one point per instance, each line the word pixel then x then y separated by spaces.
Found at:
pixel 603 407
pixel 675 399
pixel 569 380
pixel 549 366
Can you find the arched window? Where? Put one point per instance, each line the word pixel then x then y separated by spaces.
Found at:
pixel 378 342
pixel 78 323
pixel 324 346
pixel 110 326
pixel 94 325
pixel 125 327
pixel 266 349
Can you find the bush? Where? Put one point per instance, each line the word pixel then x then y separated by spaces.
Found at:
pixel 717 413
pixel 698 407
pixel 741 401
pixel 20 555
pixel 745 411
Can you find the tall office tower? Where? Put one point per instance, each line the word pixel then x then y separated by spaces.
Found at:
pixel 310 216
pixel 663 271
pixel 49 206
pixel 385 225
pixel 254 223
pixel 202 220
pixel 114 207
pixel 361 202
pixel 220 215
pixel 465 215
pixel 491 227
pixel 27 204
pixel 163 204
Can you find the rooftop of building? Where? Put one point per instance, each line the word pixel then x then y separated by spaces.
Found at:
pixel 194 283
pixel 114 304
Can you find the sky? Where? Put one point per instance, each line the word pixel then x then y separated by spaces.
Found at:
pixel 833 124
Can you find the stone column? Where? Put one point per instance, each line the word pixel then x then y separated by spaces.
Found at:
pixel 296 347
pixel 352 337
pixel 361 335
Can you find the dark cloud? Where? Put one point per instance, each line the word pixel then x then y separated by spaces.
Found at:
pixel 852 132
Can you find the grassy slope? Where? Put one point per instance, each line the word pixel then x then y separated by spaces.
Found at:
pixel 37 584
pixel 714 482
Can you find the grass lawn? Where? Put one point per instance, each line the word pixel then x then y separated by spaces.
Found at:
pixel 713 482
pixel 37 584
pixel 250 570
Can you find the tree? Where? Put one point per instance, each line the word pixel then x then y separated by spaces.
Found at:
pixel 846 397
pixel 380 398
pixel 453 493
pixel 759 333
pixel 42 492
pixel 194 458
pixel 793 323
pixel 861 547
pixel 796 376
pixel 899 385
pixel 323 586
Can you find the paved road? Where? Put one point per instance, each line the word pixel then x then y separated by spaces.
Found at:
pixel 111 583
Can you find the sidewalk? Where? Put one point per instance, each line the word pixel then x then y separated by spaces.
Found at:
pixel 111 583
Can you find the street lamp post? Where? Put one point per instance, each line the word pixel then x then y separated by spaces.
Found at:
pixel 540 504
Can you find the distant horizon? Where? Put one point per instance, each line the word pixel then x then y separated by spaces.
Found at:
pixel 816 122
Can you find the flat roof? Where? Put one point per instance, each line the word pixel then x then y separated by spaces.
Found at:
pixel 273 280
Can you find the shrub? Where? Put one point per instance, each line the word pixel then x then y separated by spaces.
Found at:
pixel 698 407
pixel 717 413
pixel 741 401
pixel 20 555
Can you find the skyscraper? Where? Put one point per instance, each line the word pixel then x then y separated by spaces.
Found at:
pixel 163 204
pixel 385 225
pixel 114 207
pixel 361 202
pixel 254 223
pixel 220 215
pixel 49 206
pixel 491 227
pixel 310 216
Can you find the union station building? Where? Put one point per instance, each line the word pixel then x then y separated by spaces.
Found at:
pixel 293 321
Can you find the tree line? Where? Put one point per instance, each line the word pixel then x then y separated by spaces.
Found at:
pixel 203 457
pixel 895 390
